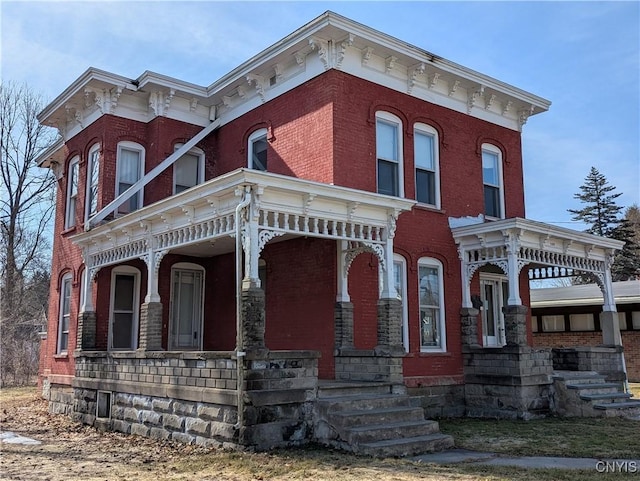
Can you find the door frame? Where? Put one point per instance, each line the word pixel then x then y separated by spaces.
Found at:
pixel 186 266
pixel 500 288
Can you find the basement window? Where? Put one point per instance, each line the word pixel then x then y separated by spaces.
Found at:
pixel 103 405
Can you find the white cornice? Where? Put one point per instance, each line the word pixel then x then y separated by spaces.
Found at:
pixel 328 42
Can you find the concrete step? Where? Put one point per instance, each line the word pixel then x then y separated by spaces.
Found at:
pixel 344 389
pixel 617 405
pixel 600 388
pixel 379 432
pixel 364 402
pixel 579 377
pixel 407 446
pixel 613 397
pixel 354 418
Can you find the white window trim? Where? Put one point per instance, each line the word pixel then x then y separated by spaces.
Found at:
pixel 258 134
pixel 495 150
pixel 397 258
pixel 87 204
pixel 390 118
pixel 431 262
pixel 70 217
pixel 428 130
pixel 67 278
pixel 136 305
pixel 128 145
pixel 187 266
pixel 196 152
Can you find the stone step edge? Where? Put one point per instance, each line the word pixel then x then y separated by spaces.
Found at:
pixel 598 397
pixel 399 424
pixel 604 385
pixel 359 412
pixel 358 397
pixel 399 442
pixel 624 405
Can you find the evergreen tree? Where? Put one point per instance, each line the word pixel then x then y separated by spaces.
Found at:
pixel 601 213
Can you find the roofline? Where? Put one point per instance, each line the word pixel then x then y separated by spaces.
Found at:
pixel 538 227
pixel 45 158
pixel 90 74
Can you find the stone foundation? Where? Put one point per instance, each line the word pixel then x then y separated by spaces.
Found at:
pixel 369 365
pixel 513 382
pixel 439 401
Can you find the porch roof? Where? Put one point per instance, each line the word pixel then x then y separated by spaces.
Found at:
pixel 201 221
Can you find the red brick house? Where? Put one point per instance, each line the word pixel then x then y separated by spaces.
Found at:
pixel 322 222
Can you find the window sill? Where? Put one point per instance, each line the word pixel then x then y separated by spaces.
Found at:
pixel 430 208
pixel 434 353
pixel 64 355
pixel 68 230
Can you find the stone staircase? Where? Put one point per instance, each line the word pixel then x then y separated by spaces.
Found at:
pixel 370 419
pixel 588 394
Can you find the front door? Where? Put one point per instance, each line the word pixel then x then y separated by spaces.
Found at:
pixel 494 296
pixel 186 309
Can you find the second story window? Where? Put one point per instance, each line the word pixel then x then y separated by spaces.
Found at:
pixel 188 170
pixel 257 149
pixel 426 164
pixel 492 180
pixel 389 154
pixel 72 193
pixel 93 181
pixel 128 171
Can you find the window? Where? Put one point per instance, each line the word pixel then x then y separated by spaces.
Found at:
pixel 553 323
pixel 425 147
pixel 431 300
pixel 400 281
pixel 492 179
pixel 635 320
pixel 103 405
pixel 93 182
pixel 187 303
pixel 72 193
pixel 581 322
pixel 188 170
pixel 123 326
pixel 534 323
pixel 258 150
pixel 389 154
pixel 129 170
pixel 64 314
pixel 622 321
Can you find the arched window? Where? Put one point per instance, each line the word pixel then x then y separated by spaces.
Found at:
pixel 257 150
pixel 129 170
pixel 389 154
pixel 433 335
pixel 426 159
pixel 125 306
pixel 493 182
pixel 72 193
pixel 188 170
pixel 64 314
pixel 93 182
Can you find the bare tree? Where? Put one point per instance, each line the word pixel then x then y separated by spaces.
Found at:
pixel 26 207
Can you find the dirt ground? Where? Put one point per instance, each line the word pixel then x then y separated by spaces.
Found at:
pixel 72 451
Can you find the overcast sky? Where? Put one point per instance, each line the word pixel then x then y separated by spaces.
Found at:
pixel 582 56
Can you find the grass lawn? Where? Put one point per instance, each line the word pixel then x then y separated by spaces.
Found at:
pixel 71 451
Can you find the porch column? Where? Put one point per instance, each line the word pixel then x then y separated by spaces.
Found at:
pixel 513 249
pixel 150 337
pixel 389 307
pixel 343 310
pixel 609 318
pixel 252 297
pixel 86 330
pixel 515 325
pixel 469 322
